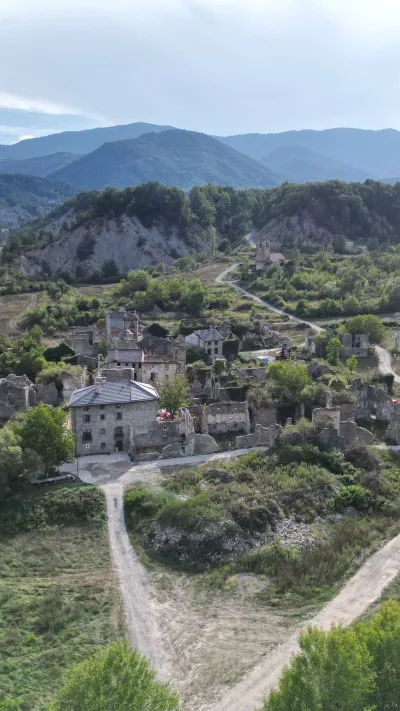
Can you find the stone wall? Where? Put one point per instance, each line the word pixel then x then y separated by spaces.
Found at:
pixel 351 434
pixel 326 417
pixel 265 416
pixel 160 433
pixel 17 394
pixel 223 418
pixel 261 437
pixel 371 401
pixel 199 419
pixel 254 376
pixel 392 434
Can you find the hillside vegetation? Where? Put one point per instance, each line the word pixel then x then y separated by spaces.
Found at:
pixel 24 197
pixel 41 166
pixel 181 158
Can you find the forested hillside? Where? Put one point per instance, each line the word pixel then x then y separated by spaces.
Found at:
pixel 25 197
pixel 181 158
pixel 150 223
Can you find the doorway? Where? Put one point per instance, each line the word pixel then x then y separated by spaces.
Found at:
pixel 119 445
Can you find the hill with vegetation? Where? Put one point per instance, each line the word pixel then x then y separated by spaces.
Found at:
pixel 78 142
pixel 41 166
pixel 181 158
pixel 301 165
pixel 25 197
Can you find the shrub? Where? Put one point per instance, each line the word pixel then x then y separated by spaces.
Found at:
pixel 356 496
pixel 141 505
pixel 364 457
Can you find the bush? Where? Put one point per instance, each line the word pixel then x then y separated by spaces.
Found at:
pixel 364 457
pixel 356 496
pixel 141 505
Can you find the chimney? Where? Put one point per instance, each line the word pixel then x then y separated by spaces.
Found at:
pixel 98 385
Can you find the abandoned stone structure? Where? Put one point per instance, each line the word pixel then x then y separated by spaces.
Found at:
pixel 371 402
pixel 253 376
pixel 225 418
pixel 17 394
pixel 261 437
pixel 122 325
pixel 392 434
pixel 164 350
pixel 263 252
pixel 357 345
pixel 209 340
pixel 146 369
pixel 334 432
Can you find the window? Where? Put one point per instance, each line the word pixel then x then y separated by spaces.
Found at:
pixel 166 367
pixel 86 418
pixel 209 343
pixel 86 409
pixel 103 445
pixel 126 365
pixel 118 365
pixel 102 417
pixel 118 433
pixel 118 407
pixel 209 351
pixel 152 376
pixel 102 431
pixel 119 415
pixel 216 350
pixel 87 436
pixel 102 407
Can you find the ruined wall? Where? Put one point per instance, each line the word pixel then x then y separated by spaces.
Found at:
pixel 265 416
pixel 160 433
pixel 352 434
pixel 326 417
pixel 222 418
pixel 17 394
pixel 371 402
pixel 254 376
pixel 392 434
pixel 261 437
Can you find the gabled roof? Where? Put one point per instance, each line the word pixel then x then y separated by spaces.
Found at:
pixel 209 334
pixel 128 355
pixel 114 393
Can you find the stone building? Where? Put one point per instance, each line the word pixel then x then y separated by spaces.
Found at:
pixel 357 345
pixel 156 371
pixel 106 416
pixel 209 340
pixel 164 350
pixel 122 325
pixel 263 252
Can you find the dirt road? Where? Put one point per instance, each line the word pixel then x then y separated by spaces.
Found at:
pixel 136 592
pixel 220 279
pixel 359 593
pixel 13 323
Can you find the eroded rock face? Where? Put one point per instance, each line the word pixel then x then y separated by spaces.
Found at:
pixel 128 243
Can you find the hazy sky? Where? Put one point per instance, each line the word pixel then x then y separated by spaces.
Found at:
pixel 219 66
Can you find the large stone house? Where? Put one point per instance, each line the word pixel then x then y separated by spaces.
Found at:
pixel 105 417
pixel 209 340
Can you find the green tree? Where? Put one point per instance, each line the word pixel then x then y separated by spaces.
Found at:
pixel 9 704
pixel 352 363
pixel 370 324
pixel 197 300
pixel 219 366
pixel 174 393
pixel 45 431
pixel 333 348
pixel 16 464
pixel 114 679
pixel 333 672
pixel 289 376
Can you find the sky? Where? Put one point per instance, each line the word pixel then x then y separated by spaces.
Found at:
pixel 218 66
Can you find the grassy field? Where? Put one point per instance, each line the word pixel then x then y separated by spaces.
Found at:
pixel 59 600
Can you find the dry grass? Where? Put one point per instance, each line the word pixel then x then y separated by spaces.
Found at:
pixel 59 601
pixel 11 310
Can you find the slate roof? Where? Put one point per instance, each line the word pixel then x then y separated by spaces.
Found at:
pixel 126 355
pixel 114 393
pixel 209 334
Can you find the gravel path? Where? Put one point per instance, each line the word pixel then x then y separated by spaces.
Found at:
pixel 136 592
pixel 385 362
pixel 355 598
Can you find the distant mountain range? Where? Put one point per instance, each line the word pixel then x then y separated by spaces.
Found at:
pixel 127 155
pixel 173 157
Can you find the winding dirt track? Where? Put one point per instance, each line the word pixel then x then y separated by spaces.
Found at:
pixel 13 323
pixel 136 591
pixel 359 593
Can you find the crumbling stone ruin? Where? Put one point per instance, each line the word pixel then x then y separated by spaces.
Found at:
pixel 17 394
pixel 357 345
pixel 261 437
pixel 372 402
